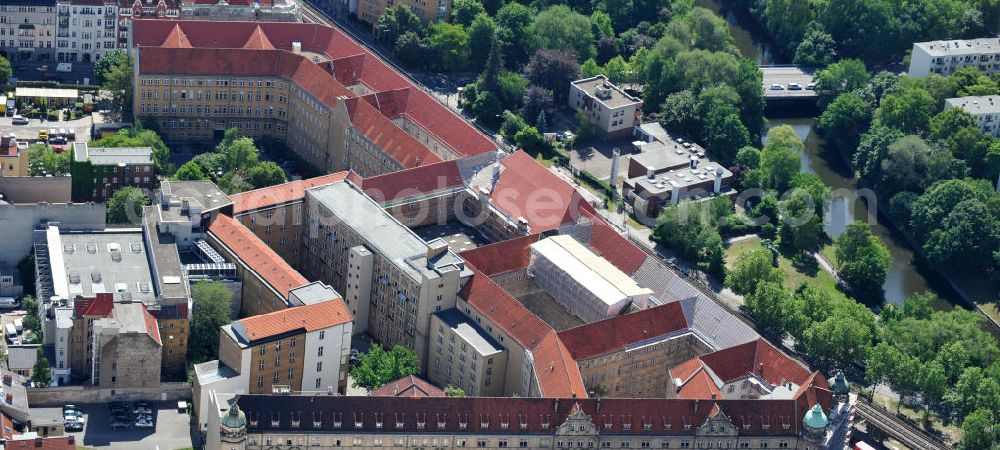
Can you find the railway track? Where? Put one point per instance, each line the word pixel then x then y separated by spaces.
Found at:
pixel 897 428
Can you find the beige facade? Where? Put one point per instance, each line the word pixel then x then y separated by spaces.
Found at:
pixel 464 356
pixel 641 372
pixel 280 227
pixel 613 111
pixel 369 11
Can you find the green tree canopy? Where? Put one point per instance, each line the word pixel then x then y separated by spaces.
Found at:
pixel 451 44
pixel 265 174
pixel 463 12
pixel 126 206
pixel 863 261
pixel 560 28
pixel 378 367
pixel 190 171
pixel 43 160
pixel 843 121
pixel 840 77
pixel 5 71
pixel 482 32
pixel 212 308
pixel 752 268
pixel 909 111
pixel 41 372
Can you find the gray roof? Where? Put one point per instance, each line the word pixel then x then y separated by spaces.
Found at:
pixel 211 371
pixel 618 97
pixel 714 324
pixel 19 395
pixel 131 318
pixel 960 47
pixel 107 262
pixel 203 193
pixel 381 232
pixel 166 260
pixel 22 356
pixel 47 417
pixel 313 293
pixel 655 130
pixel 975 105
pixel 110 156
pixel 469 331
pixel 661 156
pixel 680 178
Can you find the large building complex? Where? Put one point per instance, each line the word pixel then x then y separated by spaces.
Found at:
pixel 370 11
pixel 945 57
pixel 985 109
pixel 307 85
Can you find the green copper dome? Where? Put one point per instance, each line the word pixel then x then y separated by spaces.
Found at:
pixel 815 418
pixel 234 418
pixel 840 386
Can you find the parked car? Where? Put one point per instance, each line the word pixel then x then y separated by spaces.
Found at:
pixel 42 68
pixel 777 87
pixel 64 67
pixel 811 87
pixel 144 421
pixel 794 87
pixel 20 120
pixel 73 425
pixel 8 302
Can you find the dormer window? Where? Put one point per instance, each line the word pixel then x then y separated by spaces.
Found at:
pixel 275 419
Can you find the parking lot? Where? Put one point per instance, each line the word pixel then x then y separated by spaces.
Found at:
pixel 30 131
pixel 28 71
pixel 171 429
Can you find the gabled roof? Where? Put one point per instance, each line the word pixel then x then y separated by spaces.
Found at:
pixel 503 256
pixel 417 181
pixel 176 39
pixel 258 40
pixel 614 334
pixel 281 193
pixel 100 305
pixel 408 386
pixel 308 318
pixel 758 357
pixel 256 254
pixel 612 246
pixel 400 145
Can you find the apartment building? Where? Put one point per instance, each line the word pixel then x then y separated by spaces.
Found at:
pixel 13 156
pixel 985 109
pixel 945 57
pixel 307 85
pixel 325 422
pixel 114 344
pixel 129 10
pixel 392 279
pixel 86 29
pixel 100 172
pixel 608 106
pixel 303 348
pixel 465 356
pixel 275 214
pixel 28 29
pixel 370 11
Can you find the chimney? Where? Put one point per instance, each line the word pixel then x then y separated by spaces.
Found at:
pixel 296 47
pixel 713 395
pixel 760 370
pixel 555 405
pixel 650 173
pixel 72 440
pixel 9 398
pixel 694 162
pixel 7 379
pixel 598 404
pixel 718 180
pixel 615 156
pixel 38 442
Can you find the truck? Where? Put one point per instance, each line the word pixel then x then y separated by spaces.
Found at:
pixel 64 67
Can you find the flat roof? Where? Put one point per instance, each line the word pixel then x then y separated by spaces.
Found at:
pixel 595 273
pixel 975 105
pixel 46 92
pixel 313 293
pixel 469 331
pixel 110 156
pixel 166 260
pixel 210 371
pixel 22 356
pixel 664 156
pixel 202 193
pixel 960 46
pixel 618 97
pixel 383 233
pixel 680 178
pixel 107 261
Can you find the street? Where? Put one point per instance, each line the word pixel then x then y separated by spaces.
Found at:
pixel 29 132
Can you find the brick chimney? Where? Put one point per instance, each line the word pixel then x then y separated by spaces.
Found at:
pixel 9 398
pixel 72 440
pixel 38 442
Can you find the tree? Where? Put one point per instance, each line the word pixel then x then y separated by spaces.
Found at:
pixel 616 69
pixel 862 28
pixel 817 48
pixel 780 160
pixel 395 22
pixel 843 121
pixel 843 337
pixel 553 70
pixel 931 209
pixel 560 28
pixel 44 161
pixel 752 268
pixel 863 262
pixel 905 167
pixel 882 84
pixel 872 150
pixel 109 62
pixel 514 30
pixel 689 230
pixel 529 139
pixel 191 170
pixel 450 43
pixel 680 114
pixel 140 136
pixel 32 322
pixel 26 267
pixel 212 308
pixel 126 205
pixel 767 304
pixel 41 372
pixel 117 79
pixel 454 391
pixel 378 367
pixel 966 240
pixel 5 71
pixel 801 228
pixel 724 134
pixel 909 111
pixel 239 154
pixel 948 122
pixel 749 82
pixel 933 382
pixel 979 431
pixel 964 396
pixel 537 101
pixel 748 158
pixel 839 77
pixel 412 49
pixel 265 174
pixel 785 20
pixel 481 35
pixel 919 306
pixel 463 12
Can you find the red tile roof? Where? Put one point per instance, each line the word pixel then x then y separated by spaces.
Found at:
pixel 152 329
pixel 256 254
pixel 8 427
pixel 617 249
pixel 360 67
pixel 100 305
pixel 281 193
pixel 503 256
pixel 616 333
pixel 529 190
pixel 701 385
pixel 47 443
pixel 422 180
pixel 316 316
pixel 758 357
pixel 176 39
pixel 409 386
pixel 399 144
pixel 258 40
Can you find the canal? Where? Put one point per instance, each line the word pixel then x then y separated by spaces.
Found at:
pixel 905 278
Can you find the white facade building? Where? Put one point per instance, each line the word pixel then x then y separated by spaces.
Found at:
pixel 589 286
pixel 945 57
pixel 613 111
pixel 27 29
pixel 86 30
pixel 985 109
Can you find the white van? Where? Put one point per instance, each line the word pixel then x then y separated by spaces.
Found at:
pixel 19 325
pixel 64 67
pixel 10 331
pixel 8 302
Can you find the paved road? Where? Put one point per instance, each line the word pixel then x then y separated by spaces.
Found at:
pixel 784 76
pixel 30 131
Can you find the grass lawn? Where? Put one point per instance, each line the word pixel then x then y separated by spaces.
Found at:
pixel 793 275
pixel 991 309
pixel 951 431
